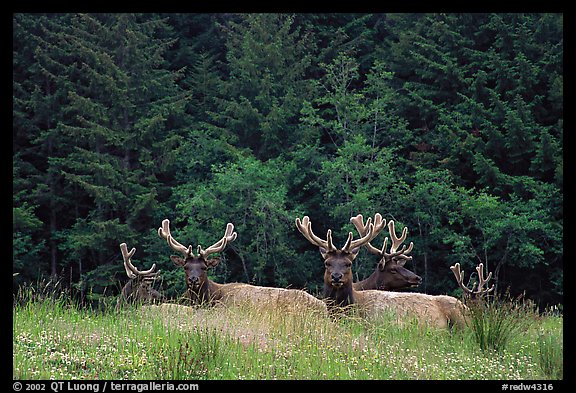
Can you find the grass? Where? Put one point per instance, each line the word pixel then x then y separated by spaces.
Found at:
pixel 495 320
pixel 551 352
pixel 55 339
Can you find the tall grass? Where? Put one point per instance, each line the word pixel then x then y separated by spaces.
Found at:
pixel 497 319
pixel 551 354
pixel 55 338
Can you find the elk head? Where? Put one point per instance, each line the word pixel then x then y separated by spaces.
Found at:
pixel 338 261
pixel 196 266
pixel 474 292
pixel 139 288
pixel 390 273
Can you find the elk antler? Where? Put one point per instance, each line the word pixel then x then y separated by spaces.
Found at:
pixel 229 236
pixel 396 241
pixel 131 270
pixel 164 232
pixel 305 227
pixel 362 229
pixel 459 274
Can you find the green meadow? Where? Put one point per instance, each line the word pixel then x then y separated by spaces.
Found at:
pixel 53 338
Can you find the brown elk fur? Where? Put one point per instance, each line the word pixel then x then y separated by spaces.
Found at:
pixel 281 298
pixel 139 291
pixel 208 292
pixel 236 294
pixel 390 273
pixel 392 276
pixel 202 290
pixel 139 287
pixel 437 311
pixel 434 310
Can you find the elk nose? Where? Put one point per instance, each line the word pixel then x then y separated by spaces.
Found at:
pixel 336 277
pixel 193 280
pixel 416 281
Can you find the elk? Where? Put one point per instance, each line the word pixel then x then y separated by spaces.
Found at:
pixel 439 311
pixel 202 290
pixel 139 287
pixel 390 273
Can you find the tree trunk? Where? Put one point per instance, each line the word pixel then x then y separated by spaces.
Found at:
pixel 53 246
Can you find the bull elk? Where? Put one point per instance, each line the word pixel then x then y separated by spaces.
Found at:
pixel 439 311
pixel 138 289
pixel 202 290
pixel 390 273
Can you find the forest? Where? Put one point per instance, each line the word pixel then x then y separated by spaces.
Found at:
pixel 448 124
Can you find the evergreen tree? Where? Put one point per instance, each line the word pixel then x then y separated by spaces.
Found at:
pixel 267 58
pixel 450 124
pixel 38 99
pixel 105 141
pixel 253 196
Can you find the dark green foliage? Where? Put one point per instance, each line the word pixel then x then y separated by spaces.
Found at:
pixel 450 124
pixel 267 57
pixel 97 157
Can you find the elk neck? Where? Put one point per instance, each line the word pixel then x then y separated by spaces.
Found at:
pixel 339 297
pixel 207 292
pixel 371 282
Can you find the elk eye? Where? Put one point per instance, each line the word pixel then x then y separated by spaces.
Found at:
pixel 204 267
pixel 327 264
pixel 348 265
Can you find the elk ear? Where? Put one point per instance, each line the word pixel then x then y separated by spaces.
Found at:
pixel 323 251
pixel 178 261
pixel 213 262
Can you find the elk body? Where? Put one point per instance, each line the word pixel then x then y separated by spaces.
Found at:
pixel 390 273
pixel 139 287
pixel 202 290
pixel 438 311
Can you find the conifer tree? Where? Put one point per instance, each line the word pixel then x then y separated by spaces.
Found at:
pixel 267 58
pixel 105 141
